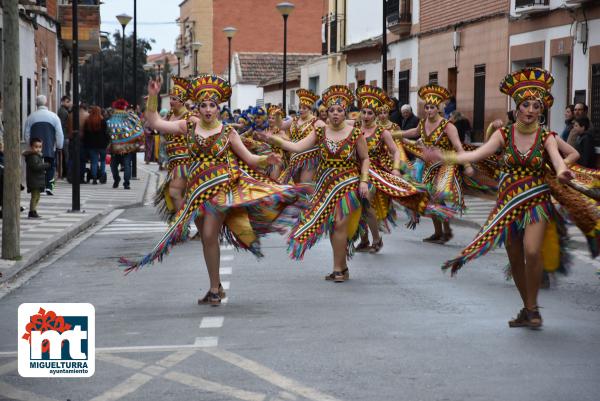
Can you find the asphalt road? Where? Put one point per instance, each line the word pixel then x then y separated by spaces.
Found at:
pixel 400 329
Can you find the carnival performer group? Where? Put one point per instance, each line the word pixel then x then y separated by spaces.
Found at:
pixel 324 173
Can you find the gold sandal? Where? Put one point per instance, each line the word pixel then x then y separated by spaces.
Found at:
pixel 332 276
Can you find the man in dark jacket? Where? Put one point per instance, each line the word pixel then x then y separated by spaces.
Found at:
pixel 45 125
pixel 409 120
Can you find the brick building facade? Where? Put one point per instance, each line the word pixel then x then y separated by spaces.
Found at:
pixel 259 25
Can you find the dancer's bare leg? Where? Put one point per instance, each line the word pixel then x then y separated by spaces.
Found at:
pixel 211 228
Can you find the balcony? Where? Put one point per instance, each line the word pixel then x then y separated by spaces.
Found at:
pixel 399 18
pixel 88 22
pixel 526 7
pixel 34 6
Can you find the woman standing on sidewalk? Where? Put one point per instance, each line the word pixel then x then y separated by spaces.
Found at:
pixel 531 167
pixel 446 180
pixel 228 198
pixel 95 142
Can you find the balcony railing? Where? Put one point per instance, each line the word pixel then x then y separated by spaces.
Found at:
pixel 88 23
pixel 399 17
pixel 531 3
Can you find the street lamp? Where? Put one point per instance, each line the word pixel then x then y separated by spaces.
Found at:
pixel 285 9
pixel 179 55
pixel 123 20
pixel 229 33
pixel 196 48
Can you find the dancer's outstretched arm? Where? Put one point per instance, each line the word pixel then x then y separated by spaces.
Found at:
pixel 362 149
pixel 482 152
pixel 248 157
pixel 393 149
pixel 562 171
pixel 153 119
pixel 294 147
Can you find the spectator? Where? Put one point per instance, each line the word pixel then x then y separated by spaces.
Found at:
pixel 63 113
pixel 95 142
pixel 580 110
pixel 36 174
pixel 126 135
pixel 395 114
pixel 569 117
pixel 45 125
pixel 450 107
pixel 584 142
pixel 463 126
pixel 409 120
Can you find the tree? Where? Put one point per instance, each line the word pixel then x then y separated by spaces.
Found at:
pixel 101 74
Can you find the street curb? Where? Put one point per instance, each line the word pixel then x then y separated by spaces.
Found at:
pixel 54 243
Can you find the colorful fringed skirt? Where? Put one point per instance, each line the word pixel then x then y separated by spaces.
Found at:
pixel 218 182
pixel 522 200
pixel 336 194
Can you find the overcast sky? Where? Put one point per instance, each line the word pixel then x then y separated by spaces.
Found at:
pixel 156 20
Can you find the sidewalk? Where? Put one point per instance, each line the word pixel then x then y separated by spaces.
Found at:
pixel 58 225
pixel 479 208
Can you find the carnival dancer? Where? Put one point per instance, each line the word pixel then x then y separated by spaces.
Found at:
pixel 341 182
pixel 169 197
pixel 383 119
pixel 275 128
pixel 445 180
pixel 384 173
pixel 532 170
pixel 322 112
pixel 302 166
pixel 229 198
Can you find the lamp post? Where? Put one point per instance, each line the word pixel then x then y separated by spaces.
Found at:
pixel 104 42
pixel 229 33
pixel 384 48
pixel 285 9
pixel 179 55
pixel 196 48
pixel 123 20
pixel 75 173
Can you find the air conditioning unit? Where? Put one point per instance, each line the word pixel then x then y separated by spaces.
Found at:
pixel 528 7
pixel 582 32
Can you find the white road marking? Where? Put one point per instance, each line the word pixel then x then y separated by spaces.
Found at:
pixel 212 322
pixel 206 342
pixel 269 375
pixel 226 258
pixel 10 392
pixel 213 387
pixel 226 284
pixel 127 387
pixel 225 271
pixel 154 370
pixel 124 362
pixel 173 359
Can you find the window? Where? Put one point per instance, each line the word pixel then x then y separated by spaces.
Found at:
pixel 389 82
pixel 21 103
pixel 28 96
pixel 292 103
pixel 313 84
pixel 333 35
pixel 479 99
pixel 595 96
pixel 404 87
pixel 433 78
pixel 324 35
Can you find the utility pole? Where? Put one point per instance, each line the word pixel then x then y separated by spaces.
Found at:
pixel 12 151
pixel 384 49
